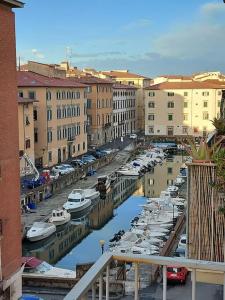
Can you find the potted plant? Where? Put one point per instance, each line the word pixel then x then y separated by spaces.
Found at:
pixel 219 124
pixel 203 153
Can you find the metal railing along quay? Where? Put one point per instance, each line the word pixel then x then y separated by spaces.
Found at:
pixel 99 274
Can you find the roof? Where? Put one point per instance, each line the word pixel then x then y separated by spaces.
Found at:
pixel 13 3
pixel 31 262
pixel 25 100
pixel 123 74
pixel 183 85
pixel 31 79
pixel 184 77
pixel 91 80
pixel 124 86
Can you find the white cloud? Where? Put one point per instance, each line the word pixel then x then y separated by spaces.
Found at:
pixel 37 54
pixel 137 24
pixel 213 8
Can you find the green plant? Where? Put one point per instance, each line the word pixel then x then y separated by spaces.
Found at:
pixel 219 124
pixel 203 152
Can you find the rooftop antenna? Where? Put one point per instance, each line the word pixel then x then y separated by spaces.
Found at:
pixel 69 55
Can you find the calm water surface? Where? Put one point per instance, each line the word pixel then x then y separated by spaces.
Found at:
pixel 78 241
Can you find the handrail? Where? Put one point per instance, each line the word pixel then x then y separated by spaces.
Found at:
pixel 86 282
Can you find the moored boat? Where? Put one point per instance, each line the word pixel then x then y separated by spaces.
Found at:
pixel 40 231
pixel 77 201
pixel 59 217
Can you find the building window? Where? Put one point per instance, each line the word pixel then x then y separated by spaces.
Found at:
pixel 218 103
pixel 32 95
pixel 49 114
pixel 205 115
pixel 204 132
pixel 151 104
pixel 151 117
pixel 151 129
pixel 35 114
pixel 35 135
pixel 27 143
pixel 59 133
pixel 205 93
pixel 58 95
pixel 170 104
pixel 27 122
pixel 185 130
pixel 88 103
pixel 49 136
pixel 170 94
pixel 48 95
pixel 169 170
pixel 185 117
pixel 205 103
pixel 170 117
pixel 185 94
pixel 219 93
pixel 170 131
pixel 185 104
pixel 83 145
pixel 50 156
pixel 151 94
pixel 78 147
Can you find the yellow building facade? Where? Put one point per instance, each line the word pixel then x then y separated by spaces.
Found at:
pixel 60 119
pixel 182 108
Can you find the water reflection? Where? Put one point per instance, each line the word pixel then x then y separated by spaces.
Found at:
pixel 72 242
pixel 161 176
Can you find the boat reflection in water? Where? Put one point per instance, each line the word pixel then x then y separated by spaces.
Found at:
pixel 161 176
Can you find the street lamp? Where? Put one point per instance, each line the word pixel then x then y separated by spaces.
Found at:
pixel 102 243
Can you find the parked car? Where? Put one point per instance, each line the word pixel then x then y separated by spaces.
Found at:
pixel 89 156
pixel 176 274
pixel 183 241
pixel 68 167
pixel 77 163
pixel 87 160
pixel 61 170
pixel 100 154
pixel 107 151
pixel 133 136
pixel 179 252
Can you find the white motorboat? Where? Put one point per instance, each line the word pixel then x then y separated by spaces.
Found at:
pixel 40 231
pixel 172 188
pixel 91 194
pixel 40 268
pixel 59 217
pixel 179 181
pixel 77 201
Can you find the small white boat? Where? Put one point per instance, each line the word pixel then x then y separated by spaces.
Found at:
pixel 179 181
pixel 40 231
pixel 59 217
pixel 40 268
pixel 77 201
pixel 172 188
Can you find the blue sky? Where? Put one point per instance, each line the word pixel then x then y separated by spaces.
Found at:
pixel 151 37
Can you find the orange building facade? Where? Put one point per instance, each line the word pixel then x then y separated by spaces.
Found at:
pixel 10 226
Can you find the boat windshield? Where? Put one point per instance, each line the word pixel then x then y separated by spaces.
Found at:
pixel 75 200
pixel 43 267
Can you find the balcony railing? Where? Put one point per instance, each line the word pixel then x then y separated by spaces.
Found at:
pixel 95 275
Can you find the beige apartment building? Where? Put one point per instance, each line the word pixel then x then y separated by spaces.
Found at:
pixel 182 108
pixel 60 120
pixel 124 110
pixel 99 109
pixel 139 81
pixel 26 132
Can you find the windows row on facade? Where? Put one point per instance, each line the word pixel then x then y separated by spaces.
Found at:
pixel 170 117
pixel 170 130
pixel 104 103
pixel 128 103
pixel 123 93
pixel 63 152
pixel 185 94
pixel 104 89
pixel 171 104
pixel 123 116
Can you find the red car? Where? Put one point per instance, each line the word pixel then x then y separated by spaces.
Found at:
pixel 177 274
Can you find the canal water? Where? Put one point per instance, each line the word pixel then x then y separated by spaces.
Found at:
pixel 78 241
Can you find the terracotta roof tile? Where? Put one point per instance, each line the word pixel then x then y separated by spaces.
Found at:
pixel 30 79
pixel 121 74
pixel 91 80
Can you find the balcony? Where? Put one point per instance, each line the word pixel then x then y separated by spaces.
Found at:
pixel 97 279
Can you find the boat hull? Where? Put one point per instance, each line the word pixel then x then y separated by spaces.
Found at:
pixel 78 208
pixel 42 236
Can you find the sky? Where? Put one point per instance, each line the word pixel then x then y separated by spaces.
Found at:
pixel 149 37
